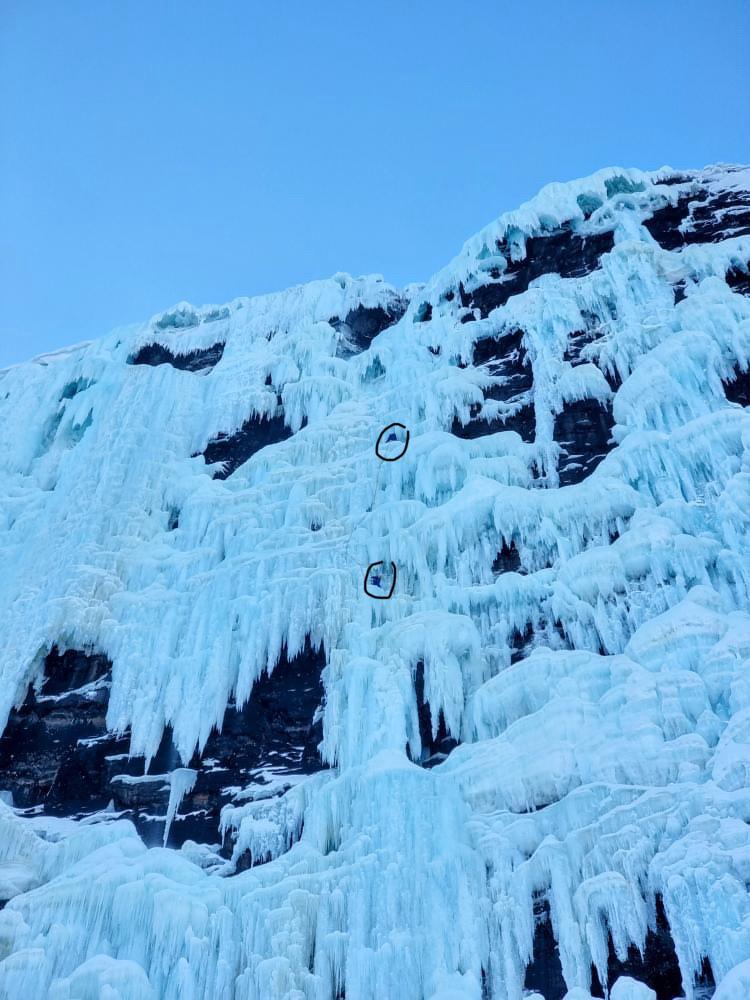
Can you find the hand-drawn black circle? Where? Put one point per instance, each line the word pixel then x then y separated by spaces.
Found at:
pixel 376 577
pixel 378 452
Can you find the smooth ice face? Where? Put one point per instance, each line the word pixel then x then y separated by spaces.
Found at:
pixel 542 736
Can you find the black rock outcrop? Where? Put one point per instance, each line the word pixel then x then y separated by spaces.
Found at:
pixel 56 753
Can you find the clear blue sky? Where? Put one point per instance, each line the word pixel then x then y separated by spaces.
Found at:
pixel 155 151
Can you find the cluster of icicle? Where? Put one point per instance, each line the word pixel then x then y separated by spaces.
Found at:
pixel 608 766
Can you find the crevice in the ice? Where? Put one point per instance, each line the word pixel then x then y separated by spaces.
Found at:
pixel 435 748
pixel 563 252
pixel 700 217
pixel 173 519
pixel 77 385
pixel 658 966
pixel 521 643
pixel 49 432
pixel 544 973
pixel 738 279
pixel 230 451
pixel 374 370
pixel 198 360
pixel 74 432
pixel 705 981
pixel 362 325
pixel 737 389
pixel 583 429
pixel 485 985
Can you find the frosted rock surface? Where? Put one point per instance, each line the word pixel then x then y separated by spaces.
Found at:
pixel 543 735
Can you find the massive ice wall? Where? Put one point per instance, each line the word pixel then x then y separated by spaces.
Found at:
pixel 529 769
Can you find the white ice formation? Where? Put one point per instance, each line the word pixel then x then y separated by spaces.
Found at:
pixel 577 623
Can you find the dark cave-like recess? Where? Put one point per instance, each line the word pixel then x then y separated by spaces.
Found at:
pixel 544 972
pixel 362 325
pixel 583 430
pixel 57 753
pixel 507 560
pixel 562 252
pixel 523 421
pixel 233 450
pixel 737 389
pixel 658 968
pixel 678 290
pixel 738 279
pixel 201 359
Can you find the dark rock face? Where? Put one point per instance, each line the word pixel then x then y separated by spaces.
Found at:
pixel 522 421
pixel 738 389
pixel 563 252
pixel 578 342
pixel 544 973
pixel 434 749
pixel 201 359
pixel 273 735
pixel 504 358
pixel 57 754
pixel 583 429
pixel 48 752
pixel 657 968
pixel 701 218
pixel 362 325
pixel 235 449
pixel 674 179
